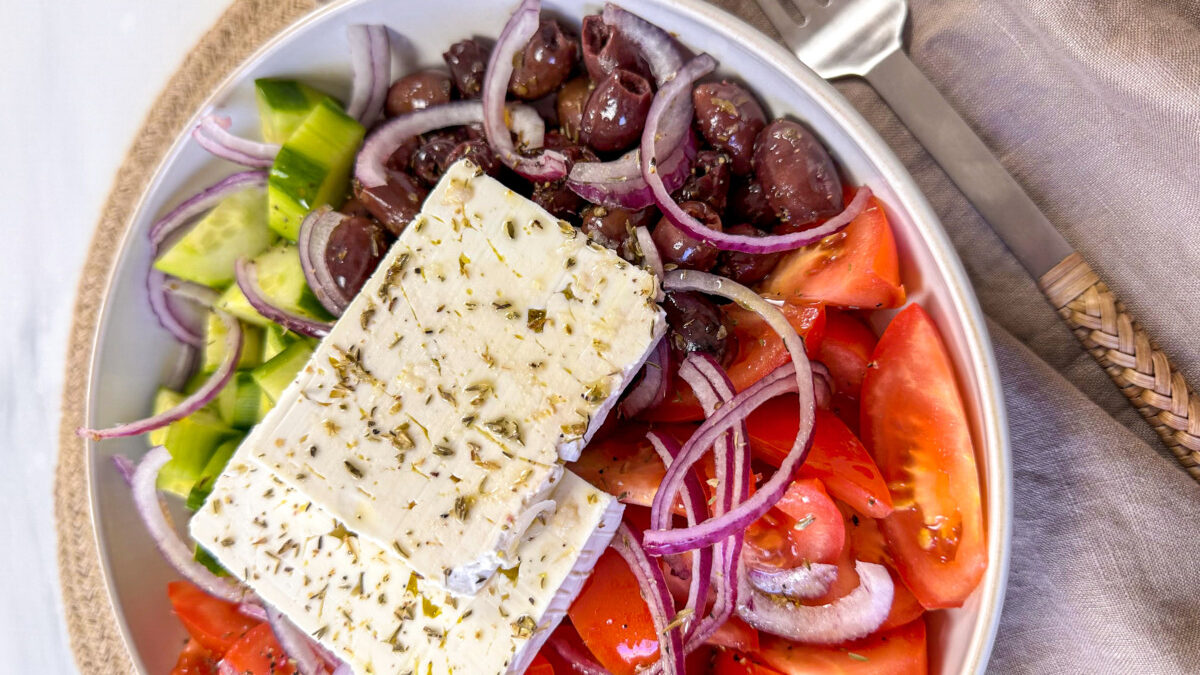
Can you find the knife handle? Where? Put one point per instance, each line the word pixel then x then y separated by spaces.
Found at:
pixel 1139 368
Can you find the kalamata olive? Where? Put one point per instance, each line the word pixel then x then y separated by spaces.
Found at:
pixel 418 91
pixel 695 324
pixel 354 207
pixel 709 180
pixel 432 159
pixel 748 203
pixel 401 157
pixel 571 98
pixel 468 62
pixel 605 50
pixel 545 62
pixel 678 248
pixel 612 227
pixel 729 118
pixel 394 203
pixel 746 268
pixel 355 248
pixel 616 111
pixel 477 150
pixel 797 174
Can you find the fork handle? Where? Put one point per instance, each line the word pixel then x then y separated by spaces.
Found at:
pixel 1140 369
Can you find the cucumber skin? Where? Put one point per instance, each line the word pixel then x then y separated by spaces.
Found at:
pixel 283 105
pixel 313 167
pixel 275 375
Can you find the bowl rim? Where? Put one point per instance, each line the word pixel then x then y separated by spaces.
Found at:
pixel 994 431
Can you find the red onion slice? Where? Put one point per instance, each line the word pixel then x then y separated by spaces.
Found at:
pixel 295 643
pixel 649 251
pixel 848 618
pixel 658 599
pixel 371 166
pixel 125 467
pixel 619 183
pixel 207 392
pixel 315 232
pixel 661 542
pixel 549 165
pixel 371 59
pixel 184 323
pixel 172 547
pixel 213 135
pixel 184 369
pixel 247 281
pixel 254 610
pixel 200 203
pixel 803 582
pixel 656 45
pixel 652 388
pixel 694 507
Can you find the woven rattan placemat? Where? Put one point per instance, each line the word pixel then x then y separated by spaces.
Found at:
pixel 90 616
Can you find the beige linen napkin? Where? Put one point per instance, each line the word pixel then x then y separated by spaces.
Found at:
pixel 1095 108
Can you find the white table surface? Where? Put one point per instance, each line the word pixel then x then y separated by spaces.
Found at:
pixel 77 79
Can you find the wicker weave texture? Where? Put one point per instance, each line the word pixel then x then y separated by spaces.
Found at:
pixel 90 617
pixel 1142 371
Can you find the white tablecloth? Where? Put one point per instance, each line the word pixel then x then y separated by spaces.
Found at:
pixel 77 79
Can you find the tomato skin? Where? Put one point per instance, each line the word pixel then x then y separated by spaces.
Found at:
pixel 915 425
pixel 624 464
pixel 900 651
pixel 836 457
pixel 259 653
pixel 730 662
pixel 780 540
pixel 856 267
pixel 846 352
pixel 758 351
pixel 540 666
pixel 735 634
pixel 613 619
pixel 868 545
pixel 195 660
pixel 212 622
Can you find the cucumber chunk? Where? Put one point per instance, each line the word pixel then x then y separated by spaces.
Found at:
pixel 192 441
pixel 164 400
pixel 215 345
pixel 216 464
pixel 281 280
pixel 275 375
pixel 313 167
pixel 207 252
pixel 283 105
pixel 238 403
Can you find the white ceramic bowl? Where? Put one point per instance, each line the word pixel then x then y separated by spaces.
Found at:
pixel 133 355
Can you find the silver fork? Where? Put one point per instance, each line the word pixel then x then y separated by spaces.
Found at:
pixel 837 38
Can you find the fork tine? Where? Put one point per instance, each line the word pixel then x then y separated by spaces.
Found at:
pixel 780 19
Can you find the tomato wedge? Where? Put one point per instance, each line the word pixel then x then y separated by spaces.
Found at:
pixel 212 622
pixel 540 666
pixel 259 653
pixel 836 457
pixel 612 618
pixel 758 351
pixel 867 544
pixel 735 634
pixel 730 662
pixel 624 464
pixel 846 351
pixel 900 651
pixel 804 527
pixel 914 424
pixel 195 660
pixel 856 267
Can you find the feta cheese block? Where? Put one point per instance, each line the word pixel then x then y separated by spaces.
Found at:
pixel 369 607
pixel 486 349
